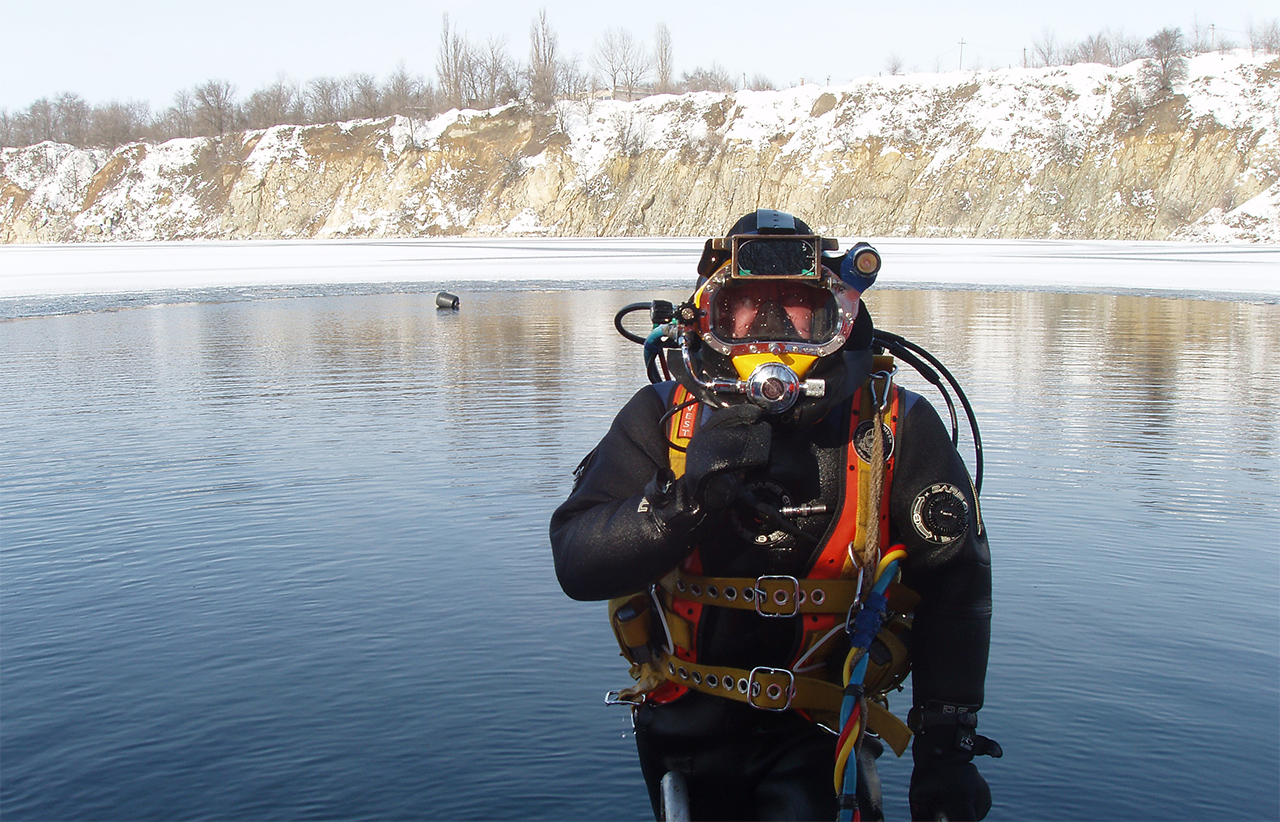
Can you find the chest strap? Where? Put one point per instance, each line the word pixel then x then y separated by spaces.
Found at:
pixel 769 595
pixel 777 689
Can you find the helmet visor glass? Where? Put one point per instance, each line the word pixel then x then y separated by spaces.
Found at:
pixel 774 310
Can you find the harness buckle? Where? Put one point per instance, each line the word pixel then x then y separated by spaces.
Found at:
pixel 772 595
pixel 616 698
pixel 773 691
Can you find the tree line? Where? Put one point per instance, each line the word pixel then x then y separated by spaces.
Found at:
pixel 472 74
pixel 468 74
pixel 1164 54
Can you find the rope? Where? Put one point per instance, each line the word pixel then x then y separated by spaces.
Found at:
pixel 869 553
pixel 866 625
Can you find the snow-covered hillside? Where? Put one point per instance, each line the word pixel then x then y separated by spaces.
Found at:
pixel 1073 152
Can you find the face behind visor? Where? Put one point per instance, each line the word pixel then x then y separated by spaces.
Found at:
pixel 764 311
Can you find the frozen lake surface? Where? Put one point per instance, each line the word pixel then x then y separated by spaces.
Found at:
pixel 276 549
pixel 45 272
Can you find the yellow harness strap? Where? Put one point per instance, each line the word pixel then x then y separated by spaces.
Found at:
pixel 682 429
pixel 769 595
pixel 887 726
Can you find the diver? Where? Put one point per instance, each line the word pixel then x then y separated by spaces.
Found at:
pixel 784 534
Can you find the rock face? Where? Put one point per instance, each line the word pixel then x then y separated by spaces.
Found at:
pixel 1078 152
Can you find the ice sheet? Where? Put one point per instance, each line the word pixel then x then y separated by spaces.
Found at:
pixel 1248 270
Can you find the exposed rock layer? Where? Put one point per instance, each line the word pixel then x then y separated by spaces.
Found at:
pixel 1056 153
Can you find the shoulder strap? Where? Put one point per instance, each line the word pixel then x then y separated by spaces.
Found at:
pixel 681 426
pixel 855 519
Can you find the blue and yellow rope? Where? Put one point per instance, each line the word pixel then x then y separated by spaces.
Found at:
pixel 865 627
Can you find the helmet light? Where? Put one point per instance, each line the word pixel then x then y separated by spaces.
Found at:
pixel 860 267
pixel 867 261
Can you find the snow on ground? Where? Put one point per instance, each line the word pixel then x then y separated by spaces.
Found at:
pixel 1197 269
pixel 1031 111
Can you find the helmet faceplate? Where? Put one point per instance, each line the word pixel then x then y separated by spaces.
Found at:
pixel 774 315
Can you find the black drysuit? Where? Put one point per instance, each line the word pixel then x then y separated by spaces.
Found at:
pixel 743 762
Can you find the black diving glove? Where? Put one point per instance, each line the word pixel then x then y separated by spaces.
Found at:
pixel 733 440
pixel 948 790
pixel 944 782
pixel 730 442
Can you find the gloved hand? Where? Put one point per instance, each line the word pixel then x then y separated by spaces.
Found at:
pixel 944 782
pixel 949 788
pixel 731 441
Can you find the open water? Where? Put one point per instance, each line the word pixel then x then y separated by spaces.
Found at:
pixel 286 558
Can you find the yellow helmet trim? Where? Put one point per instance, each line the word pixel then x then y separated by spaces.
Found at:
pixel 799 363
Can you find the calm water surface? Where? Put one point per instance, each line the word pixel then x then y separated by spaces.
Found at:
pixel 287 558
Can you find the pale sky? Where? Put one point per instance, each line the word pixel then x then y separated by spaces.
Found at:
pixel 147 50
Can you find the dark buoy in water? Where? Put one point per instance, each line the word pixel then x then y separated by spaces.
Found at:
pixel 446 300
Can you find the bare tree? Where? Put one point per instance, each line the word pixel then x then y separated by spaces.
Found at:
pixel 1124 49
pixel 40 122
pixel 71 119
pixel 116 124
pixel 364 98
pixel 893 64
pixel 1107 48
pixel 760 82
pixel 456 68
pixel 495 80
pixel 1265 37
pixel 607 59
pixel 1046 49
pixel 622 60
pixel 1166 62
pixel 215 107
pixel 662 59
pixel 715 78
pixel 544 66
pixel 408 95
pixel 1096 48
pixel 279 103
pixel 326 100
pixel 180 118
pixel 1202 37
pixel 573 80
pixel 636 69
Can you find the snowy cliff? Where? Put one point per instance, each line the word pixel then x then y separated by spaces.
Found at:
pixel 1074 152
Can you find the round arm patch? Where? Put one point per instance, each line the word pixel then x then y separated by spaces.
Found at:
pixel 940 514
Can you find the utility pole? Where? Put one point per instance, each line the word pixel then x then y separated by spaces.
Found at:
pixel 1211 37
pixel 962 54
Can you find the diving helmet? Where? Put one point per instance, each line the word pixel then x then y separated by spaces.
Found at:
pixel 772 320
